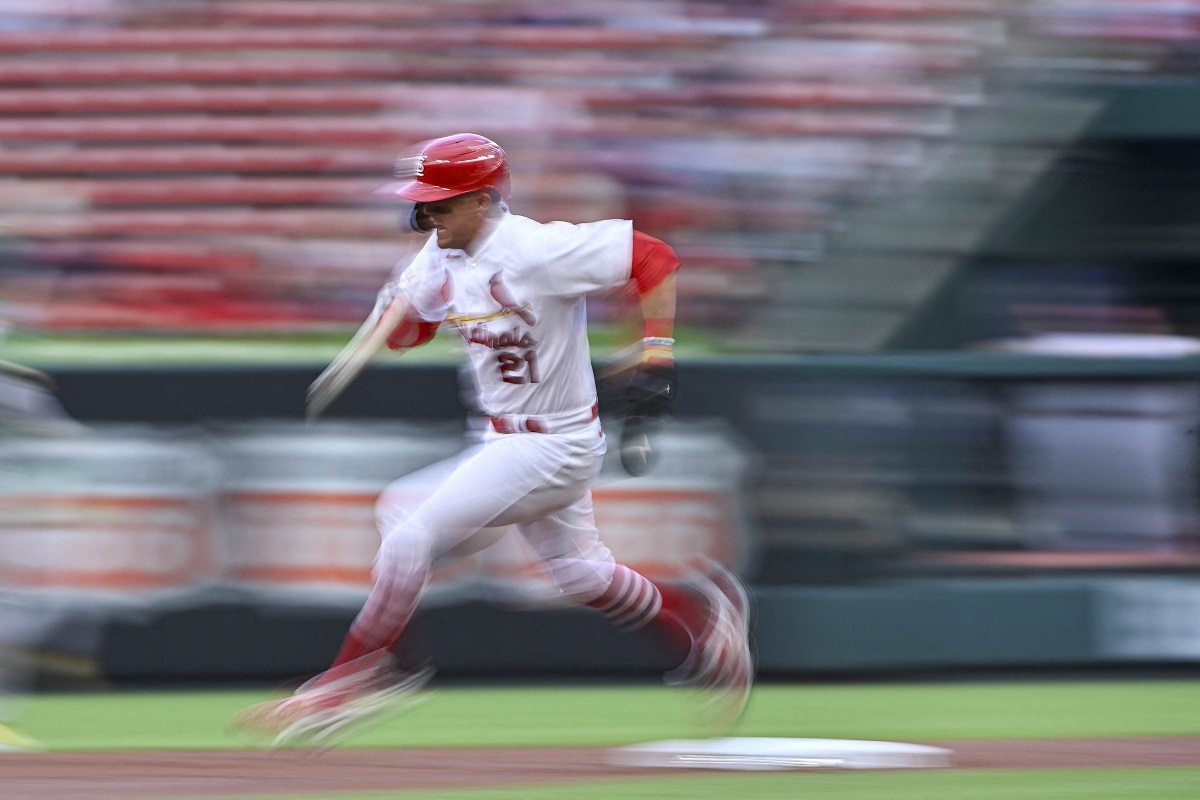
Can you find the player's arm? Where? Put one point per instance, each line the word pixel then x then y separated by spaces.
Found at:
pixel 653 275
pixel 650 394
pixel 391 308
pixel 395 321
pixel 411 331
pixel 428 293
pixel 658 315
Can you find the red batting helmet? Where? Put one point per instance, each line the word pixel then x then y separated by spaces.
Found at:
pixel 450 166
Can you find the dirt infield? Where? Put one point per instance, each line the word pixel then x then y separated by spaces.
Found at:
pixel 158 775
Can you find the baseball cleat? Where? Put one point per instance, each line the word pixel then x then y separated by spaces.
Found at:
pixel 720 662
pixel 337 703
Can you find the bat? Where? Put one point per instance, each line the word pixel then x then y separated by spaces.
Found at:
pixel 390 309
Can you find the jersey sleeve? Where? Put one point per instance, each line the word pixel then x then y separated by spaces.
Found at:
pixel 427 284
pixel 587 257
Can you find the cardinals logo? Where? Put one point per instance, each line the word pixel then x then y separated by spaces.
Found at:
pixel 477 333
pixel 504 298
pixel 501 296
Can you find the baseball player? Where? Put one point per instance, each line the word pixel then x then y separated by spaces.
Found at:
pixel 514 290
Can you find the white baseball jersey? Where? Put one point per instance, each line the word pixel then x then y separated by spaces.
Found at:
pixel 519 304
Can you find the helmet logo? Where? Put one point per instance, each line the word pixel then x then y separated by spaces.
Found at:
pixel 410 166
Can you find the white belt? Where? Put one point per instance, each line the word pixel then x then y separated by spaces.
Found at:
pixel 544 424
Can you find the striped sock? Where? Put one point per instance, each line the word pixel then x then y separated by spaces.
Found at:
pixel 632 601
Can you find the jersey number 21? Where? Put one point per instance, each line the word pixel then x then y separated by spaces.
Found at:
pixel 518 368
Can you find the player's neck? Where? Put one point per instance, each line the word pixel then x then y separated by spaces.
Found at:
pixel 486 228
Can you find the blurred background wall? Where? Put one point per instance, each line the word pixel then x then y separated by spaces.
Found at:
pixel 937 314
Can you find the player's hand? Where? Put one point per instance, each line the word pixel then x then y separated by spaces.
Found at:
pixel 651 391
pixel 649 398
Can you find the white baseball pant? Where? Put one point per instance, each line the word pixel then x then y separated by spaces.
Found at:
pixel 540 483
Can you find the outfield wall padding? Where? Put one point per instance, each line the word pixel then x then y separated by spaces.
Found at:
pixel 900 627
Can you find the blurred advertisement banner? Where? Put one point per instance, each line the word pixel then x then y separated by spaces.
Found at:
pixel 287 509
pixel 122 511
pixel 297 502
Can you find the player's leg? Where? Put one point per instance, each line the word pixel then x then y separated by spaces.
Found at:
pixel 478 491
pixel 364 681
pixel 700 620
pixel 438 513
pixel 586 574
pixel 504 480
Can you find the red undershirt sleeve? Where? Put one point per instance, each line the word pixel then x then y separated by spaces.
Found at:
pixel 653 261
pixel 411 332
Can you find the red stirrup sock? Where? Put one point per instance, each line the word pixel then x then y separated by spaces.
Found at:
pixel 408 652
pixel 353 647
pixel 632 601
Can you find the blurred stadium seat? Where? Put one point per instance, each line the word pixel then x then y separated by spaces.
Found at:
pixel 225 140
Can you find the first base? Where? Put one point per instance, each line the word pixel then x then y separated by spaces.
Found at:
pixel 781 754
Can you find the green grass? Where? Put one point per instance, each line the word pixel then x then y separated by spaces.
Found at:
pixel 608 715
pixel 567 715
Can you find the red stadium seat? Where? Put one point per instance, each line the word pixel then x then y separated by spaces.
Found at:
pixel 161 192
pixel 175 99
pixel 349 223
pixel 214 138
pixel 156 256
pixel 350 38
pixel 71 159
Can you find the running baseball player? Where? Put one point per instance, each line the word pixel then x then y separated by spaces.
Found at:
pixel 514 290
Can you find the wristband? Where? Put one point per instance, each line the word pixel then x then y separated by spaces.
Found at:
pixel 658 350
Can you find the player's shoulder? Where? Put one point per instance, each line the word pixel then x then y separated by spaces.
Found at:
pixel 420 255
pixel 424 259
pixel 529 232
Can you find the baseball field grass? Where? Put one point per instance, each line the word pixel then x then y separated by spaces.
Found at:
pixel 317 348
pixel 603 715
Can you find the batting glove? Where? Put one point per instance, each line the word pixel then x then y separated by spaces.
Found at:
pixel 649 398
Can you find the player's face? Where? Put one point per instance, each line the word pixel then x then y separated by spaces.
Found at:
pixel 458 219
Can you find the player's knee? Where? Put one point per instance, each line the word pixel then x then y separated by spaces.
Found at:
pixel 580 580
pixel 407 548
pixel 392 509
